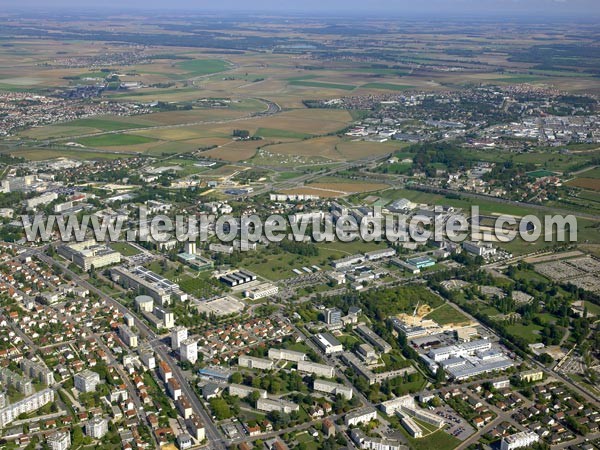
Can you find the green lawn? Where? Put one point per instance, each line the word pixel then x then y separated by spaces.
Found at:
pixel 284 176
pixel 124 248
pixel 438 441
pixel 114 140
pixel 530 332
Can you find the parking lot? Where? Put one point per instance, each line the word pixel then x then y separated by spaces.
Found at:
pixel 455 425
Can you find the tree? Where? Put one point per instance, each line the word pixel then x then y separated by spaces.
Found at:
pixel 236 378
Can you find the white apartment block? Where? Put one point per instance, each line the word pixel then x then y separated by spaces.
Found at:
pixel 242 391
pixel 333 388
pixel 518 440
pixel 25 406
pixel 86 381
pixel 254 363
pixel 96 428
pixel 286 355
pixel 363 415
pixel 59 440
pixel 178 335
pixel 283 406
pixel 320 370
pixel 188 350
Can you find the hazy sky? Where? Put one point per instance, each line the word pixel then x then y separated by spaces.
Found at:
pixel 454 7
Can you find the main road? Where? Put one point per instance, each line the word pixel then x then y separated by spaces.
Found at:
pixel 214 438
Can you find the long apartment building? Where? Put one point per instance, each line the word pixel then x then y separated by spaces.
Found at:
pixel 286 355
pixel 373 338
pixel 25 406
pixel 333 388
pixel 321 370
pixel 252 362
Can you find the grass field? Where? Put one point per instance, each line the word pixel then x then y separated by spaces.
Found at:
pixel 446 314
pixel 103 124
pixel 438 441
pixel 387 86
pixel 124 249
pixel 200 67
pixel 114 140
pixel 79 154
pixel 586 183
pixel 273 133
pixel 320 84
pixel 530 332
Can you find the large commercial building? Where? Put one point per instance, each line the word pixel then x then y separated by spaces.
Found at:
pixel 373 338
pixel 237 278
pixel 333 388
pixel 484 249
pixel 321 370
pixel 25 406
pixel 380 254
pixel 89 254
pixel 518 440
pixel 363 415
pixel 254 363
pixel 328 343
pixel 283 406
pixel 147 282
pixel 86 381
pixel 348 261
pixel 261 291
pixel 461 350
pixel 286 355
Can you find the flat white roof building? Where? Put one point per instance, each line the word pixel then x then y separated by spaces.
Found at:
pixel 328 343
